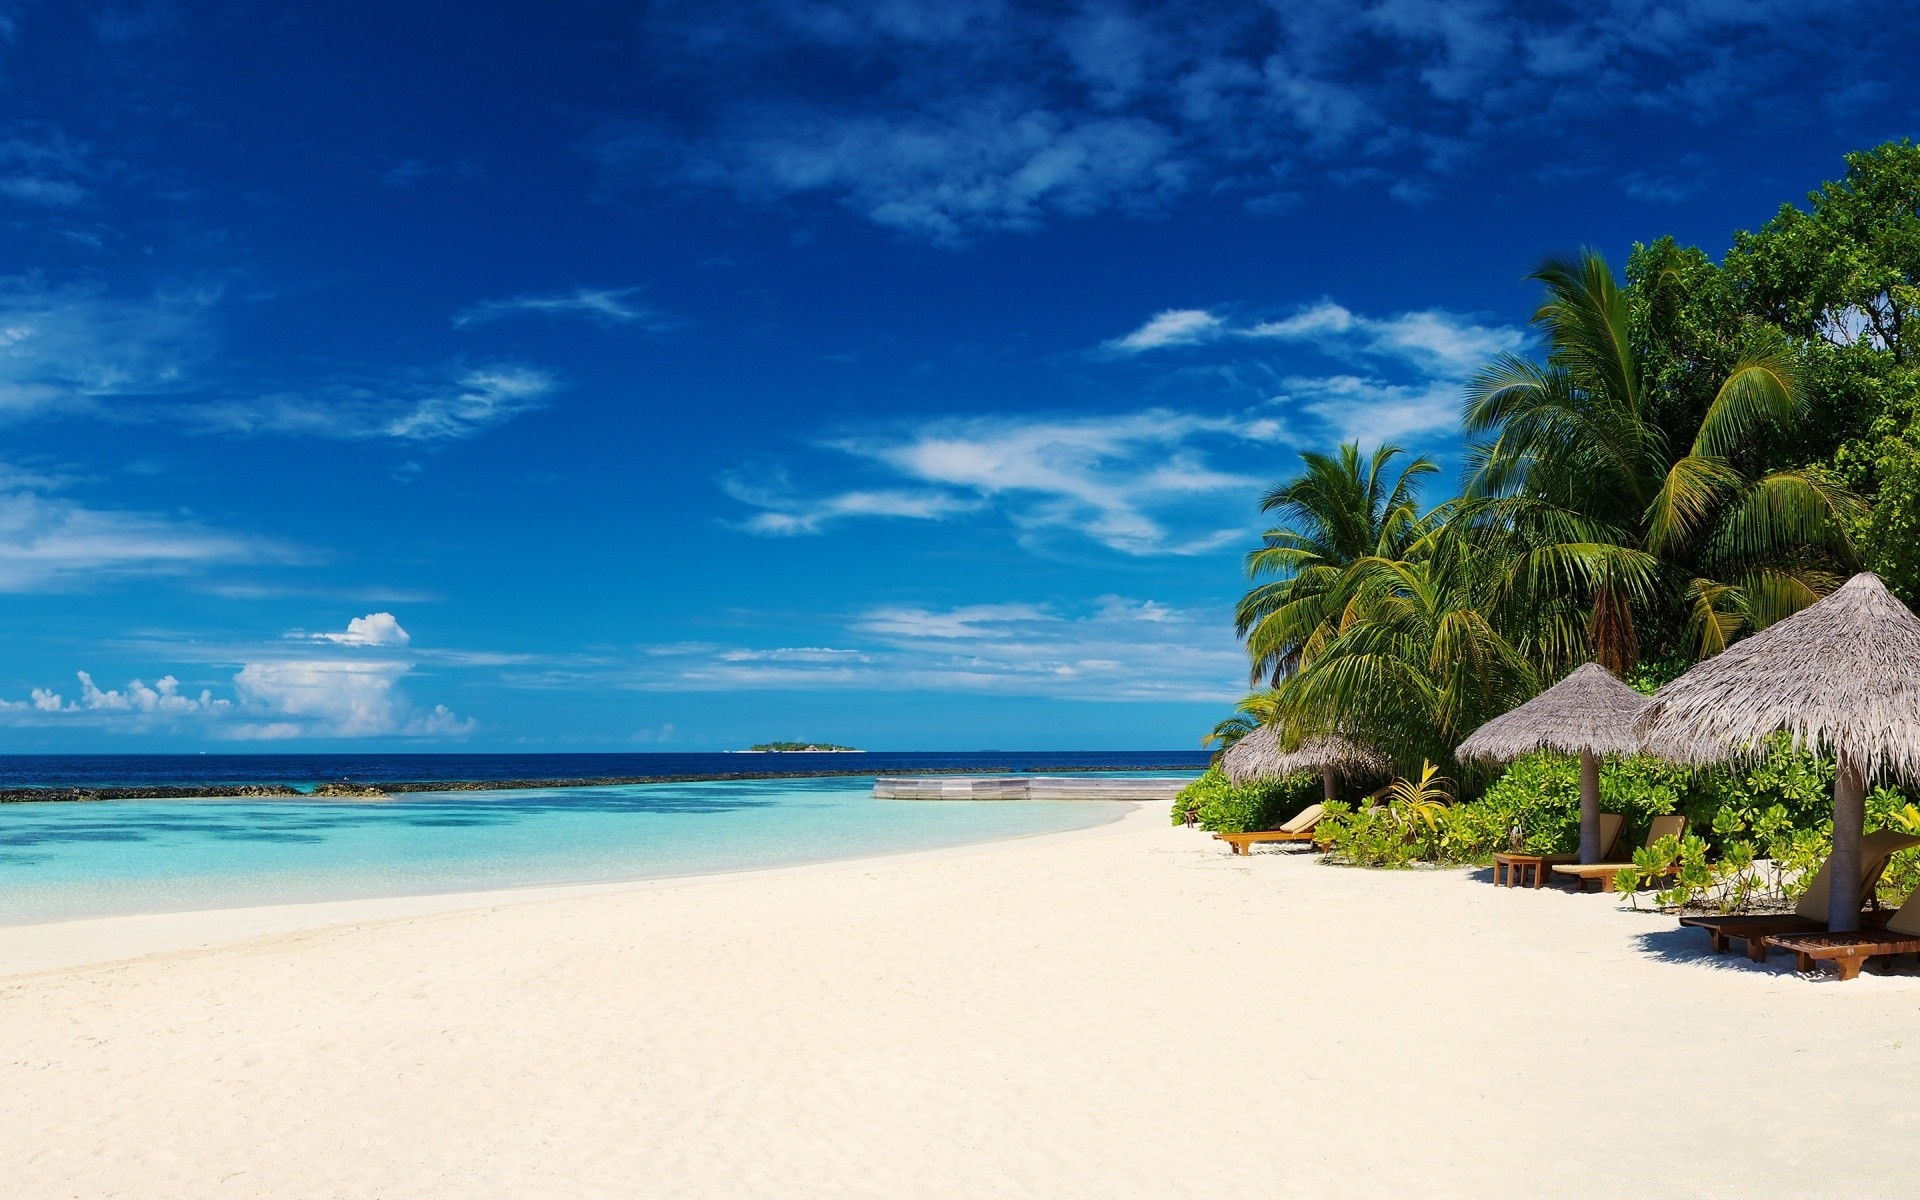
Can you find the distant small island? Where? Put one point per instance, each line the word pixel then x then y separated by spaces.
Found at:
pixel 799 748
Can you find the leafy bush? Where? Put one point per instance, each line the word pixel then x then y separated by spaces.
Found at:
pixel 1415 824
pixel 1220 805
pixel 1541 794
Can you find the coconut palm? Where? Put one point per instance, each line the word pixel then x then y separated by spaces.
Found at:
pixel 1412 663
pixel 1605 511
pixel 1340 509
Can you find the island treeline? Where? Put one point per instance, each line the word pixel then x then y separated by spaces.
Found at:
pixel 1700 449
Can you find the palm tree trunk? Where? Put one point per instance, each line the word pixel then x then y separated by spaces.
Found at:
pixel 1849 820
pixel 1326 782
pixel 1590 847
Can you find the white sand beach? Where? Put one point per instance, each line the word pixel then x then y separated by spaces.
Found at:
pixel 1124 1011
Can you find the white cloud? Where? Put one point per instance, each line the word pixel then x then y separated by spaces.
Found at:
pixel 785 514
pixel 984 162
pixel 42 166
pixel 601 306
pixel 55 544
pixel 1129 481
pixel 415 406
pixel 73 349
pixel 477 400
pixel 333 697
pixel 1371 412
pixel 994 117
pixel 163 697
pixel 374 629
pixel 1446 345
pixel 1116 649
pixel 1174 327
pixel 1439 343
pixel 355 693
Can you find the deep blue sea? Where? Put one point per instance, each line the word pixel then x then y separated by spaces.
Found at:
pixel 63 860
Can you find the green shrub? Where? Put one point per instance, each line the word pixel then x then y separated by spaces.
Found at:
pixel 1541 794
pixel 1224 807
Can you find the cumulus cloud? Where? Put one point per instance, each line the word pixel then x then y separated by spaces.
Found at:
pixel 164 697
pixel 336 698
pixel 374 629
pixel 601 306
pixel 1001 117
pixel 353 693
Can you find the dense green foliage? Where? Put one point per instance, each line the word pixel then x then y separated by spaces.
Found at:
pixel 1701 449
pixel 1221 806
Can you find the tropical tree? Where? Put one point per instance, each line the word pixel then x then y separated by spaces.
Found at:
pixel 1340 509
pixel 1413 663
pixel 1605 509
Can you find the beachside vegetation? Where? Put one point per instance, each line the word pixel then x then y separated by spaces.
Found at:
pixel 1697 449
pixel 1218 804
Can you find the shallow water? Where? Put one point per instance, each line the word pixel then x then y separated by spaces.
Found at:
pixel 65 860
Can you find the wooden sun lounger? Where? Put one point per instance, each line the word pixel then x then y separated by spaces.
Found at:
pixel 1810 915
pixel 1603 872
pixel 1755 929
pixel 1848 952
pixel 1299 829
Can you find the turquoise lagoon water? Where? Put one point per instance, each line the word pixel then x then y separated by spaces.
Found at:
pixel 66 860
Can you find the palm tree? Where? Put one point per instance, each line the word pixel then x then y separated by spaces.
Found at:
pixel 1337 511
pixel 1413 662
pixel 1605 514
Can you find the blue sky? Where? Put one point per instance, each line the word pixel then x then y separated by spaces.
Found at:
pixel 672 376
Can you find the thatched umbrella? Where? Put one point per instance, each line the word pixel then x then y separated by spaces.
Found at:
pixel 1589 713
pixel 1262 755
pixel 1842 676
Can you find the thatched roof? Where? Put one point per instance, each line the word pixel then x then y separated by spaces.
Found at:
pixel 1261 755
pixel 1588 710
pixel 1842 675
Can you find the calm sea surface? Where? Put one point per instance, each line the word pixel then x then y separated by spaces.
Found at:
pixel 66 860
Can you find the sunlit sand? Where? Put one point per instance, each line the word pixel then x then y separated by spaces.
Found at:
pixel 1122 1011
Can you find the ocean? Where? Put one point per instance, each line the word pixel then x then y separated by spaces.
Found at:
pixel 66 860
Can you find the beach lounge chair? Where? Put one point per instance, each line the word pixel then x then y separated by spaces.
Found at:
pixel 1848 952
pixel 1603 872
pixel 1810 915
pixel 1299 829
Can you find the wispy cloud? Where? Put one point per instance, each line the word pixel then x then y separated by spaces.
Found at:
pixel 42 166
pixel 1440 343
pixel 52 543
pixel 601 306
pixel 1115 648
pixel 1129 481
pixel 1174 327
pixel 1415 363
pixel 1003 117
pixel 457 401
pixel 72 349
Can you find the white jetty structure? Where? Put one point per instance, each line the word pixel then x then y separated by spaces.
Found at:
pixel 1026 787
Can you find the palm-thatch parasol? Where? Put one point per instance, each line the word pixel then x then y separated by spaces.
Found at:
pixel 1842 676
pixel 1589 713
pixel 1262 755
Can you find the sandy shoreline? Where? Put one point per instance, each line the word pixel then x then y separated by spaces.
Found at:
pixel 1113 1012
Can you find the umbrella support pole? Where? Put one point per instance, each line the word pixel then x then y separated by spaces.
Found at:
pixel 1590 847
pixel 1849 821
